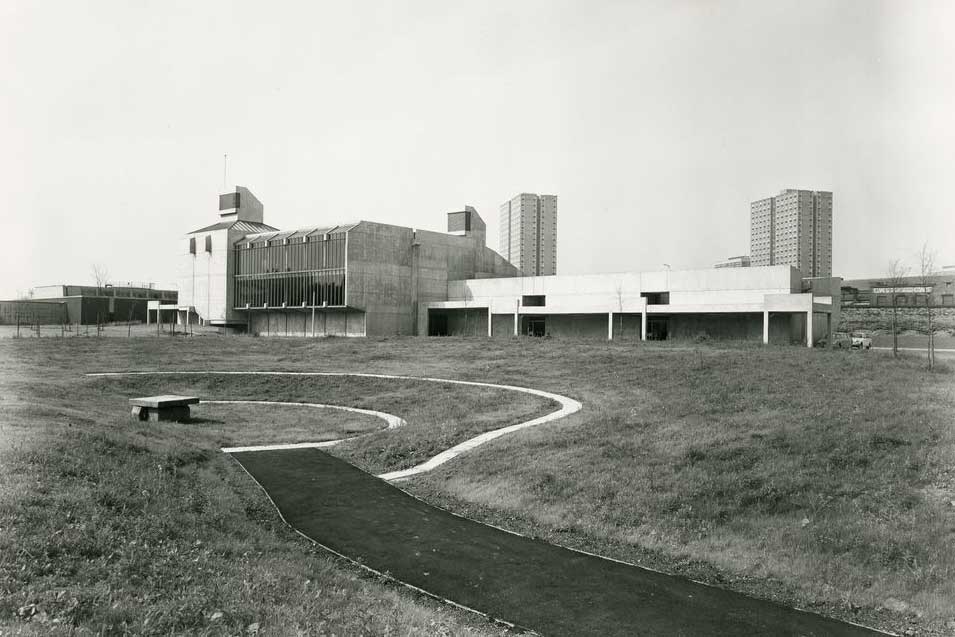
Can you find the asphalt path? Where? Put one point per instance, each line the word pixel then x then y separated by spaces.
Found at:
pixel 530 583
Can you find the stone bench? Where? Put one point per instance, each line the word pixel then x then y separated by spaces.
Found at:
pixel 157 408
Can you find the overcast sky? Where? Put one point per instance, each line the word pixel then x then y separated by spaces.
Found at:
pixel 656 124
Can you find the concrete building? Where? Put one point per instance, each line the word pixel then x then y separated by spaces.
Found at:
pixel 773 304
pixel 373 279
pixel 353 279
pixel 911 291
pixel 206 272
pixel 89 304
pixel 734 262
pixel 529 233
pixel 793 228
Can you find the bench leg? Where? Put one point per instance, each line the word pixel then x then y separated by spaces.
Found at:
pixel 170 414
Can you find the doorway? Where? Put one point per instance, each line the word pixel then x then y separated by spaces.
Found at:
pixel 536 326
pixel 657 328
pixel 437 323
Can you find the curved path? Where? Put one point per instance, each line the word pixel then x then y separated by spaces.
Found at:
pixel 567 406
pixel 534 584
pixel 391 421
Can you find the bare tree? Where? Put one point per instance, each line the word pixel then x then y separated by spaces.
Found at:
pixel 926 270
pixel 100 275
pixel 896 279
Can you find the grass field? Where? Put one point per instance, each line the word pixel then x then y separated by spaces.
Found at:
pixel 821 479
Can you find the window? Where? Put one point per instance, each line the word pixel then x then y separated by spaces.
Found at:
pixel 209 243
pixel 192 245
pixel 656 298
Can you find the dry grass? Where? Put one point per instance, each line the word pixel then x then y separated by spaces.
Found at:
pixel 108 526
pixel 704 461
pixel 821 479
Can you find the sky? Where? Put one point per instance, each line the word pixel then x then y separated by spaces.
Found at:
pixel 655 123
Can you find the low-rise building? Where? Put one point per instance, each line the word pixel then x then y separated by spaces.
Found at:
pixel 773 304
pixel 910 291
pixel 86 304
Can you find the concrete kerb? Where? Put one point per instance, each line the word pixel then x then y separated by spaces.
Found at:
pixel 390 419
pixel 568 406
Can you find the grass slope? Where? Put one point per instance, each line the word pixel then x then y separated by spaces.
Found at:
pixel 821 479
pixel 108 526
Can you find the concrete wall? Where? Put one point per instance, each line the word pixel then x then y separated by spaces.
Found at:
pixel 393 271
pixel 378 277
pixel 608 292
pixel 205 278
pixel 299 323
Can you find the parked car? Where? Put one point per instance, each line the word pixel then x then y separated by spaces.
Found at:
pixel 840 340
pixel 861 340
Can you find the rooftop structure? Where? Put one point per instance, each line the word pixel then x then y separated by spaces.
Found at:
pixel 734 262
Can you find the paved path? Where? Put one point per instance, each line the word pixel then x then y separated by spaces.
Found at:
pixel 535 585
pixel 518 580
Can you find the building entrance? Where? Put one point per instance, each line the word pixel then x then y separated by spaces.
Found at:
pixel 536 326
pixel 437 324
pixel 657 328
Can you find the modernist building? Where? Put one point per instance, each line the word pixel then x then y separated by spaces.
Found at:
pixel 773 304
pixel 355 279
pixel 735 262
pixel 529 233
pixel 372 279
pixel 911 291
pixel 793 228
pixel 85 304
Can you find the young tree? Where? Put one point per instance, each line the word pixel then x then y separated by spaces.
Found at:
pixel 100 275
pixel 896 279
pixel 926 270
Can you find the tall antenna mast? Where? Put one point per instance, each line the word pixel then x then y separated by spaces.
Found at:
pixel 225 167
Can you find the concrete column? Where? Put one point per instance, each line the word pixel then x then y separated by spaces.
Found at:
pixel 809 328
pixel 643 325
pixel 517 311
pixel 829 330
pixel 765 327
pixel 609 326
pixel 147 316
pixel 490 321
